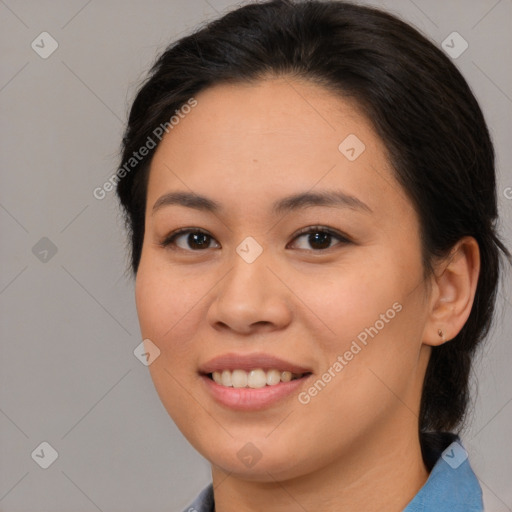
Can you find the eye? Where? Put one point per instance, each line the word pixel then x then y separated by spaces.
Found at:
pixel 189 239
pixel 319 238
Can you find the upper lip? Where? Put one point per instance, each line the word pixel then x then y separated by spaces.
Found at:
pixel 248 362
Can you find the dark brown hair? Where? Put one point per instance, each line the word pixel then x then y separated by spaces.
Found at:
pixel 419 104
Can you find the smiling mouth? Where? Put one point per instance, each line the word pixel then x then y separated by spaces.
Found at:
pixel 254 379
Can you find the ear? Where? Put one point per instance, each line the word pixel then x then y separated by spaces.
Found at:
pixel 453 291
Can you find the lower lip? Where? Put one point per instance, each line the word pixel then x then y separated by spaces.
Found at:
pixel 249 399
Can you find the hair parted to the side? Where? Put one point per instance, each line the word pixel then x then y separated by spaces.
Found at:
pixel 419 104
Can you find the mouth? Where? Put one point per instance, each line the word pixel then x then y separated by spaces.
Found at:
pixel 254 379
pixel 252 382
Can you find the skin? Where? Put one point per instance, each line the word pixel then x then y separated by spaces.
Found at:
pixel 355 445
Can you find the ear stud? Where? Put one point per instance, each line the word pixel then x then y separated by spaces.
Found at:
pixel 440 333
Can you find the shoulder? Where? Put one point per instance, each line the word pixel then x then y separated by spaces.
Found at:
pixel 203 501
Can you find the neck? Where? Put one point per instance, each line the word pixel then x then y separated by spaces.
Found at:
pixel 384 473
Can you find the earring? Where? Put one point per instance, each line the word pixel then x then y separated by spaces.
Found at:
pixel 441 334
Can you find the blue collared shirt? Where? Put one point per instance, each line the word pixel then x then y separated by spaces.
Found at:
pixel 451 487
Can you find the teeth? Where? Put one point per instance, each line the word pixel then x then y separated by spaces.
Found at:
pixel 286 376
pixel 226 378
pixel 239 379
pixel 255 379
pixel 273 377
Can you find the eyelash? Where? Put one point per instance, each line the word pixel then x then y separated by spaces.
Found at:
pixel 343 239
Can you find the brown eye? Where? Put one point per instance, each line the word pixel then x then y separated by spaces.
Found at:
pixel 319 238
pixel 189 239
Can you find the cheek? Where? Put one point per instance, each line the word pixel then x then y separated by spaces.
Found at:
pixel 165 301
pixel 153 302
pixel 167 317
pixel 372 315
pixel 349 298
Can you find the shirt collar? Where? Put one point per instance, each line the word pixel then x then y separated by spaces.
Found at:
pixel 452 485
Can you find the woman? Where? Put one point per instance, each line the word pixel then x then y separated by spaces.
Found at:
pixel 310 193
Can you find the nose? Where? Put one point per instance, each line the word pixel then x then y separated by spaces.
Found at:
pixel 250 298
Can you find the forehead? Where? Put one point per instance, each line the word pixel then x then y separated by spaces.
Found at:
pixel 248 142
pixel 298 110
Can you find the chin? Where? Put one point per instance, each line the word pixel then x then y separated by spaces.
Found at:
pixel 260 460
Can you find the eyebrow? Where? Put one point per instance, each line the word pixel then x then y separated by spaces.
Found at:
pixel 298 201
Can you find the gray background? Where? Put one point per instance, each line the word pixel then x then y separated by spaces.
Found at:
pixel 68 326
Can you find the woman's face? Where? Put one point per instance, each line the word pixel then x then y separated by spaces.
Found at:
pixel 304 249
